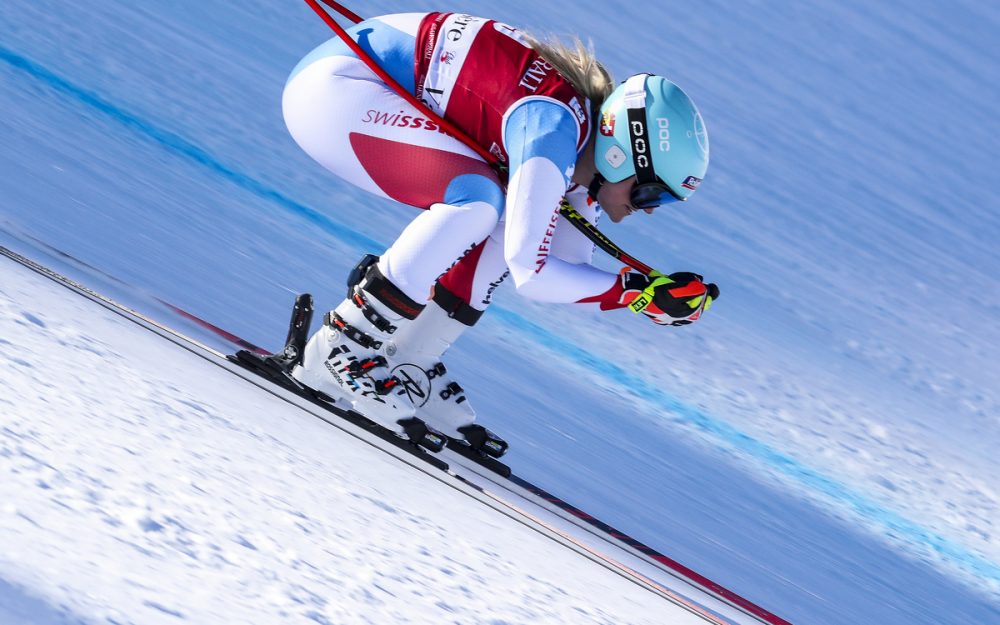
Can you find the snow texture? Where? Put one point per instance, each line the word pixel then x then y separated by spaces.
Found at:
pixel 186 494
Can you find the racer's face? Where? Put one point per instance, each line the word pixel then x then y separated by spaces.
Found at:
pixel 615 199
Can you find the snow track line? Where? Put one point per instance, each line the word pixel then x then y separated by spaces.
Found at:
pixel 448 478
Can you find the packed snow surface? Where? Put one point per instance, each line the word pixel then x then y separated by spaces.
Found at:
pixel 185 493
pixel 823 442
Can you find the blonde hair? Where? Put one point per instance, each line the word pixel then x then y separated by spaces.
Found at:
pixel 577 64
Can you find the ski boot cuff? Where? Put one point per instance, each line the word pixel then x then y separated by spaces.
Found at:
pixel 457 308
pixel 388 294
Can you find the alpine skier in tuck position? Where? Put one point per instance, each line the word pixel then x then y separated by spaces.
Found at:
pixel 551 114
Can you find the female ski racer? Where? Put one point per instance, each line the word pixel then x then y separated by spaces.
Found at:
pixel 547 111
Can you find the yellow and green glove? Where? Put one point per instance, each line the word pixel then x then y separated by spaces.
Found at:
pixel 674 300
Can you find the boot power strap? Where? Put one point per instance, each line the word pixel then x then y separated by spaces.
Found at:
pixel 337 322
pixel 372 315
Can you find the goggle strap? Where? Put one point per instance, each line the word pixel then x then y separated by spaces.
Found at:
pixel 635 91
pixel 595 185
pixel 635 105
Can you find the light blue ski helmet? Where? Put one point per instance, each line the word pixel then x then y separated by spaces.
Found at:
pixel 649 127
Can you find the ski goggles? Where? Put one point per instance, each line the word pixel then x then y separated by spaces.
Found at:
pixel 645 195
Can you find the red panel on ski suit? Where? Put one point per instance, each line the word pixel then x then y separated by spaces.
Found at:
pixel 475 84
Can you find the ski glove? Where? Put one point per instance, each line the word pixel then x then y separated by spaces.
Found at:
pixel 674 300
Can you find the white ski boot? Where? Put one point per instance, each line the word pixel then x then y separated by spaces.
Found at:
pixel 347 357
pixel 438 399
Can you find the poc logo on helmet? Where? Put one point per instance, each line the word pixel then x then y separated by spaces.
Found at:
pixel 639 146
pixel 663 130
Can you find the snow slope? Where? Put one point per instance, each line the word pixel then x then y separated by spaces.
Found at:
pixel 823 442
pixel 188 494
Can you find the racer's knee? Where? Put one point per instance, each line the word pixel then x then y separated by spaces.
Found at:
pixel 475 188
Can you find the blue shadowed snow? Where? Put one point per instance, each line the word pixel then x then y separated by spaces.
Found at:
pixel 183 147
pixel 669 407
pixel 18 607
